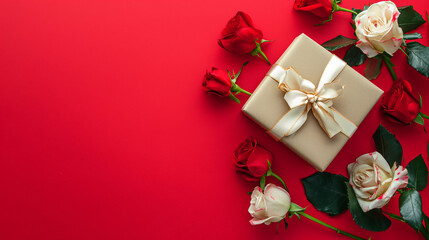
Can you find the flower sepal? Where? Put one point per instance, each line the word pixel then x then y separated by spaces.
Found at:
pixel 258 51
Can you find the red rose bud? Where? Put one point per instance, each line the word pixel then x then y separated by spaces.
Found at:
pixel 241 37
pixel 217 82
pixel 221 83
pixel 400 104
pixel 251 160
pixel 321 8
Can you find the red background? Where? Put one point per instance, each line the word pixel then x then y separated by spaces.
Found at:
pixel 105 132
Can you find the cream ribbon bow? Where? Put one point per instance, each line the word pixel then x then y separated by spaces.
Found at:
pixel 302 95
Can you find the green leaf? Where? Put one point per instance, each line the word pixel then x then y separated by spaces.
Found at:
pixel 338 42
pixel 409 19
pixel 417 173
pixel 418 57
pixel 420 101
pixel 410 207
pixel 388 146
pixel 373 220
pixel 354 56
pixel 411 36
pixel 327 192
pixel 357 11
pixel 419 120
pixel 353 26
pixel 373 68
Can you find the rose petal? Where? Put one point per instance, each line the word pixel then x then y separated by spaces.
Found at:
pixel 277 200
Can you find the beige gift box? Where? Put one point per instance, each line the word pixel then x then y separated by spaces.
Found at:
pixel 267 105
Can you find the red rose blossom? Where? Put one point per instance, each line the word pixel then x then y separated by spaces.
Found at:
pixel 320 8
pixel 241 37
pixel 250 159
pixel 399 102
pixel 220 83
pixel 217 82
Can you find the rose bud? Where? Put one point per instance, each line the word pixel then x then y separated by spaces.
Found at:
pixel 321 8
pixel 377 29
pixel 374 182
pixel 400 104
pixel 251 159
pixel 241 37
pixel 270 205
pixel 219 82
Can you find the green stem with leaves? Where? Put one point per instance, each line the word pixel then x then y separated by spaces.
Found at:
pixel 235 89
pixel 258 51
pixel 423 230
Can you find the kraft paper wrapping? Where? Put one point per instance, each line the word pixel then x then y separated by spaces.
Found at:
pixel 266 105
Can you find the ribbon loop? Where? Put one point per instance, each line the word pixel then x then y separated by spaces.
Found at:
pixel 302 96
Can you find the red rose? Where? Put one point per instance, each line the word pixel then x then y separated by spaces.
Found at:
pixel 320 8
pixel 250 159
pixel 399 102
pixel 221 83
pixel 217 82
pixel 241 37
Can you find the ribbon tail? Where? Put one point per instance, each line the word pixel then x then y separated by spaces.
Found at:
pixel 348 128
pixel 291 122
pixel 324 116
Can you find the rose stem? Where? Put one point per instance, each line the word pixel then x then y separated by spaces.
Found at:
pixel 258 52
pixel 329 226
pixel 422 229
pixel 345 10
pixel 271 173
pixel 404 52
pixel 234 98
pixel 280 179
pixel 238 89
pixel 394 216
pixel 337 8
pixel 244 91
pixel 389 65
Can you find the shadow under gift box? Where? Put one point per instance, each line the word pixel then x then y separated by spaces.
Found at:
pixel 267 105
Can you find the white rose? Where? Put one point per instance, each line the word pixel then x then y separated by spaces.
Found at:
pixel 270 205
pixel 377 29
pixel 374 182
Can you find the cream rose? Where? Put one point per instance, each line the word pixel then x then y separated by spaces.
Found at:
pixel 373 181
pixel 270 205
pixel 377 29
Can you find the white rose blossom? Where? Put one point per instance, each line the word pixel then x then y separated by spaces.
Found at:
pixel 268 206
pixel 377 29
pixel 374 182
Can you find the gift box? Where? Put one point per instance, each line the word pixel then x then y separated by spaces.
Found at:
pixel 311 101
